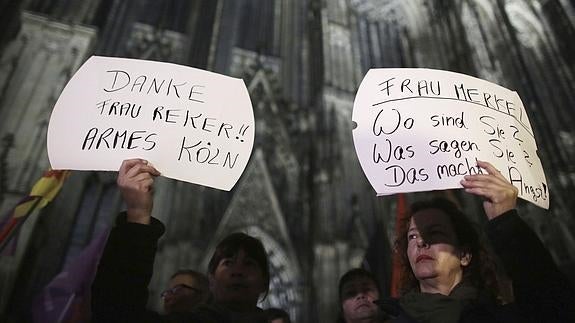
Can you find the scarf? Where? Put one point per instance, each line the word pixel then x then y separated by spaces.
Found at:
pixel 438 308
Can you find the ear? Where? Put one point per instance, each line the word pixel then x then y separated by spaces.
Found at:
pixel 465 259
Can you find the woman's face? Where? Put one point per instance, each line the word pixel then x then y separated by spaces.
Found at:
pixel 431 248
pixel 238 280
pixel 358 296
pixel 185 292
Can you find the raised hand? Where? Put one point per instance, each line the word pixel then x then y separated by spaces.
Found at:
pixel 135 180
pixel 499 194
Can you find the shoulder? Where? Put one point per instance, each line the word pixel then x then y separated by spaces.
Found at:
pixel 491 312
pixel 209 314
pixel 392 311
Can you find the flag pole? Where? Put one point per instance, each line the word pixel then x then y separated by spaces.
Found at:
pixel 401 213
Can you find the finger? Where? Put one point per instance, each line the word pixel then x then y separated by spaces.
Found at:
pixel 495 193
pixel 134 182
pixel 491 169
pixel 143 183
pixel 142 177
pixel 488 187
pixel 142 167
pixel 473 183
pixel 478 179
pixel 485 193
pixel 488 167
pixel 152 170
pixel 128 164
pixel 146 184
pixel 485 181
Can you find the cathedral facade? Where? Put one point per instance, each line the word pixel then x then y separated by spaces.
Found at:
pixel 303 192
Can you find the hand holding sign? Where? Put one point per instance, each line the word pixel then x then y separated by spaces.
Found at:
pixel 192 125
pixel 500 196
pixel 135 180
pixel 421 129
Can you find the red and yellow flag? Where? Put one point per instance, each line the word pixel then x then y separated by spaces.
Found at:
pixel 42 193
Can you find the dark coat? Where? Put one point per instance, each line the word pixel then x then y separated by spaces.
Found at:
pixel 119 291
pixel 542 293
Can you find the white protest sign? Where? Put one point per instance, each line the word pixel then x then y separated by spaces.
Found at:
pixel 192 125
pixel 422 129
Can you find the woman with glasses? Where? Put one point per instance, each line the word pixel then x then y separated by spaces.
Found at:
pixel 187 289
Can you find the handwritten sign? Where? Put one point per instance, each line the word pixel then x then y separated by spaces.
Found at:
pixel 422 129
pixel 192 125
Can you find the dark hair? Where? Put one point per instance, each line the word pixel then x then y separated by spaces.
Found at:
pixel 232 244
pixel 198 276
pixel 480 272
pixel 277 313
pixel 353 274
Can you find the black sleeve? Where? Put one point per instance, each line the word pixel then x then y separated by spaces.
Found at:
pixel 119 291
pixel 542 292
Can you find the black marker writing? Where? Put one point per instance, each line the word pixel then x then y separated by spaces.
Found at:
pixel 121 80
pixel 458 169
pixel 111 138
pixel 203 153
pixel 380 127
pixel 119 109
pixel 411 175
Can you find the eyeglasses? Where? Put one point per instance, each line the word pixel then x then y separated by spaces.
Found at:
pixel 179 289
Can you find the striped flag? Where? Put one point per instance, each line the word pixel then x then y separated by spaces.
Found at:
pixel 66 299
pixel 42 193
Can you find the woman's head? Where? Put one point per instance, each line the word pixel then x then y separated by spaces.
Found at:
pixel 358 289
pixel 239 271
pixel 440 246
pixel 186 289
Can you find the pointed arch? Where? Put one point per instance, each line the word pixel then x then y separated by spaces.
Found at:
pixel 254 209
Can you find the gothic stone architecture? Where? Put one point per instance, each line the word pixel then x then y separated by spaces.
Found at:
pixel 303 192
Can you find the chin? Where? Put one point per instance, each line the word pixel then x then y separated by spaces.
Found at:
pixel 236 298
pixel 425 273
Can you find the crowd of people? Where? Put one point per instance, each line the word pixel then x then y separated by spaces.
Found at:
pixel 449 272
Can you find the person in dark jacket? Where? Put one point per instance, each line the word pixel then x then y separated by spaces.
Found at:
pixel 238 271
pixel 448 275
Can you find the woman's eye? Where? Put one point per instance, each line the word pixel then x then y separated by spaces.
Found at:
pixel 436 233
pixel 227 262
pixel 411 236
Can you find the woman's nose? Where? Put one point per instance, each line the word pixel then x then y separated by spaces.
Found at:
pixel 237 270
pixel 421 243
pixel 360 295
